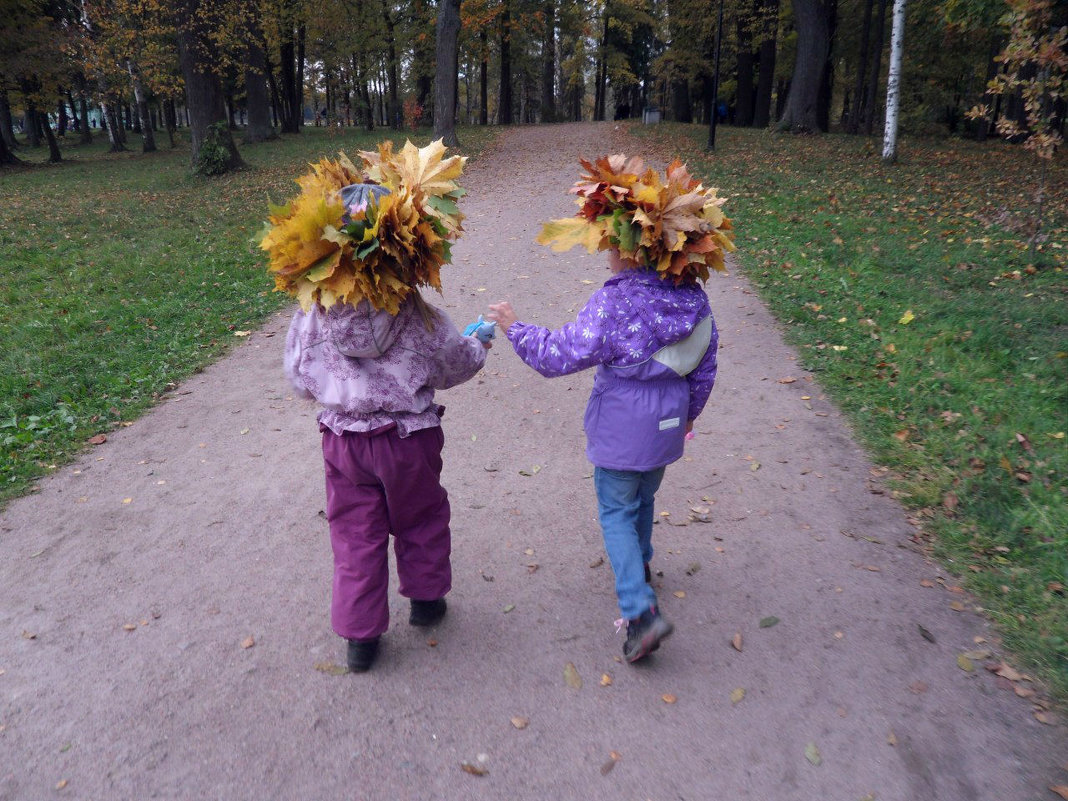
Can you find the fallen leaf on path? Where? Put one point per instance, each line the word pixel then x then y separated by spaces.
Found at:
pixel 1023 692
pixel 926 583
pixel 1060 789
pixel 242 333
pixel 1042 716
pixel 737 695
pixel 432 643
pixel 61 784
pixel 99 439
pixel 129 626
pixel 532 567
pixel 668 698
pixel 787 380
pixel 693 568
pixel 679 593
pixel 613 758
pixel 736 641
pixel 964 663
pixel 812 754
pixel 754 466
pixel 891 739
pixel 244 430
pixel 597 562
pixel 332 668
pixel 474 770
pixel 529 551
pixel 509 608
pixel 29 635
pixel 127 500
pixel 768 622
pixel 956 606
pixel 520 722
pixel 248 642
pixel 572 677
pixel 918 687
pixel 978 654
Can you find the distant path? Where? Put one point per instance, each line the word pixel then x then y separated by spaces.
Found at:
pixel 199 526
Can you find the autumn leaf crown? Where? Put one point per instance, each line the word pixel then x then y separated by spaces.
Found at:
pixel 668 222
pixel 374 232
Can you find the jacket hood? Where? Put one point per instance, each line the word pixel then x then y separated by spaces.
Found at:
pixel 361 331
pixel 670 311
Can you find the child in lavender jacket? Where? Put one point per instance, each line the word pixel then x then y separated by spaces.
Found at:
pixel 654 346
pixel 374 375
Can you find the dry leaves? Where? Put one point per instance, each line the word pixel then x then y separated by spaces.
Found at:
pixel 613 758
pixel 736 642
pixel 572 677
pixel 812 754
pixel 331 668
pixel 474 770
pixel 248 642
pixel 668 698
pixel 737 695
pixel 520 722
pixel 606 680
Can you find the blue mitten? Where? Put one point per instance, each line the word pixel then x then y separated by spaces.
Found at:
pixel 485 330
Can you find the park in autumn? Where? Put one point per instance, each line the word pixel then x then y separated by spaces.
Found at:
pixel 864 549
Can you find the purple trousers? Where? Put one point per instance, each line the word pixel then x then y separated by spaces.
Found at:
pixel 378 484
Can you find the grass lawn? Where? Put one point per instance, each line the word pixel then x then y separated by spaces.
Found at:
pixel 122 274
pixel 908 290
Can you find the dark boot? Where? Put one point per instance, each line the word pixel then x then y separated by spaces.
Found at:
pixel 427 613
pixel 362 654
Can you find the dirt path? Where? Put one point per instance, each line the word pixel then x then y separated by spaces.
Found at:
pixel 164 601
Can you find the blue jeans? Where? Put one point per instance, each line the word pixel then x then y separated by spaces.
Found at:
pixel 625 508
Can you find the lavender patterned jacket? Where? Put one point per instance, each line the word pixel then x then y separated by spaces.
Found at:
pixel 654 345
pixel 369 369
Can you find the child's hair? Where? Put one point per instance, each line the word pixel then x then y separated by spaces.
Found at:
pixel 426 311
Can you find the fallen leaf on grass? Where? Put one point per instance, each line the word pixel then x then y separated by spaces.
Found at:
pixel 572 677
pixel 668 698
pixel 248 642
pixel 768 622
pixel 907 317
pixel 331 668
pixel 242 333
pixel 812 754
pixel 520 722
pixel 736 641
pixel 474 770
pixel 737 695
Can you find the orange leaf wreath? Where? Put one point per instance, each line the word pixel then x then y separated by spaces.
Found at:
pixel 671 222
pixel 379 250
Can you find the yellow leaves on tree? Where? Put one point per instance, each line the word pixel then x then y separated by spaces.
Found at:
pixel 671 222
pixel 378 250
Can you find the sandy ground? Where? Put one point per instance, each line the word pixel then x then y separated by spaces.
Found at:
pixel 164 626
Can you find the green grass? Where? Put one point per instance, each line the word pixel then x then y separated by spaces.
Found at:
pixel 967 402
pixel 122 274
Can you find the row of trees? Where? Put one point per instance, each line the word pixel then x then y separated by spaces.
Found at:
pixel 807 65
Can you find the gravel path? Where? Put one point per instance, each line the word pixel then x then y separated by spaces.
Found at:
pixel 164 626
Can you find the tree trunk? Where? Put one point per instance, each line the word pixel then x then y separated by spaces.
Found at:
pixel 7 125
pixel 445 72
pixel 393 106
pixel 984 124
pixel 893 83
pixel 877 66
pixel 257 98
pixel 33 131
pixel 680 101
pixel 504 102
pixel 54 156
pixel 7 158
pixel 204 96
pixel 85 135
pixel 548 64
pixel 853 124
pixel 111 118
pixel 287 69
pixel 813 45
pixel 769 10
pixel 823 104
pixel 743 113
pixel 170 119
pixel 61 118
pixel 298 97
pixel 601 89
pixel 148 138
pixel 483 78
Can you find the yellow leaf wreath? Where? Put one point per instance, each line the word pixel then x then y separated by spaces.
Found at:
pixel 378 250
pixel 671 222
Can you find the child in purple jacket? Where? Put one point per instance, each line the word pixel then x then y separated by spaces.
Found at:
pixel 654 345
pixel 374 375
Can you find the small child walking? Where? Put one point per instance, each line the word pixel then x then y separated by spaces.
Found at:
pixel 651 336
pixel 375 375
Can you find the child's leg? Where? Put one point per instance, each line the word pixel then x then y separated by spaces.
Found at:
pixel 618 503
pixel 649 484
pixel 359 534
pixel 418 513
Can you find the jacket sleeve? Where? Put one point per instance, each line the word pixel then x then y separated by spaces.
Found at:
pixel 703 376
pixel 578 345
pixel 457 358
pixel 295 350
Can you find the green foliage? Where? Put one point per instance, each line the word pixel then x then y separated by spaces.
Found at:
pixel 214 156
pixel 962 399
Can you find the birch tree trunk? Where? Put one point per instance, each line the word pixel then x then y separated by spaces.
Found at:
pixel 893 83
pixel 148 139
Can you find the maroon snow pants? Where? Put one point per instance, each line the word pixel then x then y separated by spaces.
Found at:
pixel 377 484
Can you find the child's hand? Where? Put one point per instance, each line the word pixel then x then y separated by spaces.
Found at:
pixel 502 314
